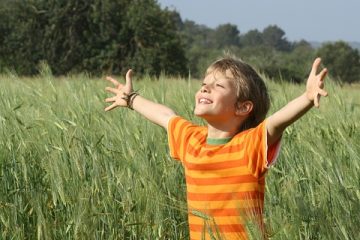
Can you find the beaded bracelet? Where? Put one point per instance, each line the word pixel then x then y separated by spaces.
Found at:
pixel 132 96
pixel 129 99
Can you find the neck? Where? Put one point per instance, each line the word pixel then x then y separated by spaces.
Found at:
pixel 223 129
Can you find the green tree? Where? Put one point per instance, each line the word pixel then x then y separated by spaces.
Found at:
pixel 252 38
pixel 274 36
pixel 155 41
pixel 226 35
pixel 22 33
pixel 93 36
pixel 5 31
pixel 197 35
pixel 199 45
pixel 279 65
pixel 342 61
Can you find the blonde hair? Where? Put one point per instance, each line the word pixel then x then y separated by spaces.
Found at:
pixel 249 86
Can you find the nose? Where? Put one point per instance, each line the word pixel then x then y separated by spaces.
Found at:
pixel 204 89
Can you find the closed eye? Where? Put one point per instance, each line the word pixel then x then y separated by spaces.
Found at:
pixel 219 85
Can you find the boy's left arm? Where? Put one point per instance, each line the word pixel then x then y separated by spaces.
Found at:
pixel 281 119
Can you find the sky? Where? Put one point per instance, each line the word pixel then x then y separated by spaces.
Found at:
pixel 311 20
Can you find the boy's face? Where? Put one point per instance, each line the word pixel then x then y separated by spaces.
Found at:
pixel 216 99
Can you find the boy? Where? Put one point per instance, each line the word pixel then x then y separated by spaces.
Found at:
pixel 226 161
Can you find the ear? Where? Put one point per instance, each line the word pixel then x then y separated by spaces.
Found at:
pixel 244 108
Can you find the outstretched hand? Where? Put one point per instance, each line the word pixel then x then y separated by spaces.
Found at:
pixel 315 83
pixel 120 90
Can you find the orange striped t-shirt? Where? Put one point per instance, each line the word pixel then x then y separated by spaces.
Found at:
pixel 225 183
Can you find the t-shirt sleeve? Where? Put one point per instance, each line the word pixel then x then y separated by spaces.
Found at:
pixel 260 155
pixel 178 131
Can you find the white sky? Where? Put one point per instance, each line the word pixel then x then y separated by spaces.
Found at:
pixel 312 20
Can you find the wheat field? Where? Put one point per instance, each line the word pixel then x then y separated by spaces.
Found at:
pixel 68 170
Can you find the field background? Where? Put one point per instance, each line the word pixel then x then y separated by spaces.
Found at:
pixel 68 170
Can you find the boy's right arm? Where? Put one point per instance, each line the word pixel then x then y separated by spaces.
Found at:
pixel 155 112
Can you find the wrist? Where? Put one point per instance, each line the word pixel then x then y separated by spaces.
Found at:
pixel 129 98
pixel 309 101
pixel 132 97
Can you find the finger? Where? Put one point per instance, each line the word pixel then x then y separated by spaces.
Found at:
pixel 114 81
pixel 120 86
pixel 112 106
pixel 113 90
pixel 315 66
pixel 323 74
pixel 316 100
pixel 112 99
pixel 323 93
pixel 129 78
pixel 321 84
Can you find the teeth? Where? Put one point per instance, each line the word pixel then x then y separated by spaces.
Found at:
pixel 204 100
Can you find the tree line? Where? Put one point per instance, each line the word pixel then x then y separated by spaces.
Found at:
pixel 110 36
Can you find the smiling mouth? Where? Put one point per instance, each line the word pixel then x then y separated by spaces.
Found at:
pixel 205 101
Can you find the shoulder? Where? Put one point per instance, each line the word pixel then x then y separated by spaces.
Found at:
pixel 177 119
pixel 178 123
pixel 258 130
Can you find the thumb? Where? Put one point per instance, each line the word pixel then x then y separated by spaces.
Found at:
pixel 129 79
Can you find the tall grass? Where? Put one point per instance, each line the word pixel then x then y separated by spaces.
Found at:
pixel 68 170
